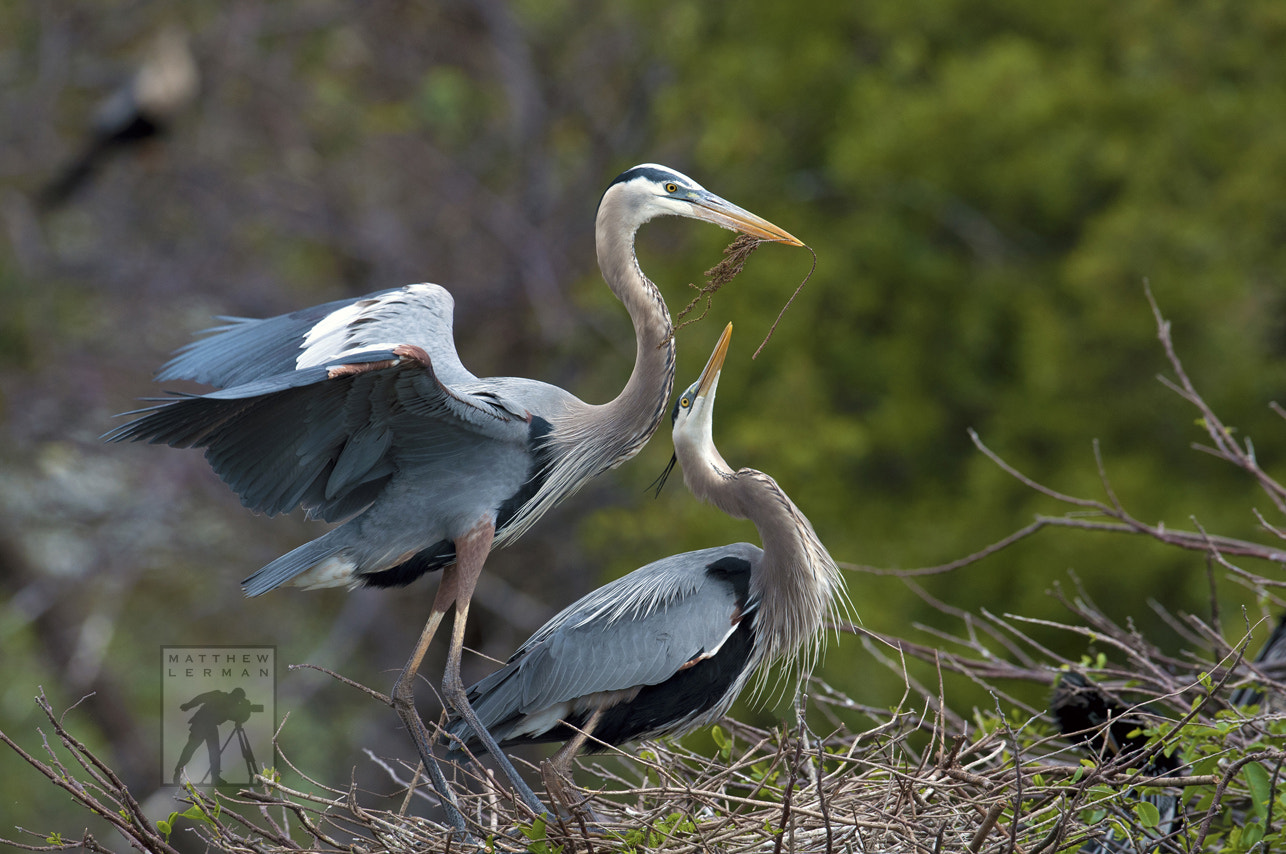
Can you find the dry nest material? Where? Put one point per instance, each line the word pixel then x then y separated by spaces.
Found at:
pixel 918 779
pixel 734 260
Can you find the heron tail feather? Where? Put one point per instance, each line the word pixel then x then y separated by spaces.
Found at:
pixel 321 563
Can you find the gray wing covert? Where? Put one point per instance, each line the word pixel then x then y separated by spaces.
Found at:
pixel 328 438
pixel 247 349
pixel 639 630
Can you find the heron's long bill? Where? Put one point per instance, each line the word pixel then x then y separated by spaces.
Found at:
pixel 724 213
pixel 711 372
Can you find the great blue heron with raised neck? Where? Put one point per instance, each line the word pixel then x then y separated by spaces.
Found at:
pixel 669 647
pixel 361 410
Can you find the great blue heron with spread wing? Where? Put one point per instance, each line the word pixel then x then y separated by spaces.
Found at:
pixel 668 648
pixel 361 410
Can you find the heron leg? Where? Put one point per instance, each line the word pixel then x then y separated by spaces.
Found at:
pixel 562 760
pixel 404 704
pixel 471 552
pixel 557 770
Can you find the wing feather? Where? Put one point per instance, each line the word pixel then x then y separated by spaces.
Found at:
pixel 321 436
pixel 246 349
pixel 638 630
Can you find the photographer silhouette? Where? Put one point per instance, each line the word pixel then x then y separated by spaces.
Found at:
pixel 217 707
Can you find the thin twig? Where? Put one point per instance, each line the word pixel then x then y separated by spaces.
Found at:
pixel 781 313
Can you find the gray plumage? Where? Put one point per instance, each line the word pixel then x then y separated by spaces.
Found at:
pixel 669 647
pixel 637 631
pixel 360 410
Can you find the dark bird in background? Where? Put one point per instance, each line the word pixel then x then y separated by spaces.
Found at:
pixel 1110 731
pixel 360 410
pixel 145 107
pixel 1105 726
pixel 1271 662
pixel 1089 717
pixel 668 648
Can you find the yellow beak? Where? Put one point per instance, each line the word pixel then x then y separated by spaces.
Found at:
pixel 711 372
pixel 722 212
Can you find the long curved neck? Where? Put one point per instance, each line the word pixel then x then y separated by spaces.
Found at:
pixel 588 439
pixel 796 583
pixel 632 417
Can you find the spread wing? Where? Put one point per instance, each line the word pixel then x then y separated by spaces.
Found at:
pixel 639 630
pixel 247 349
pixel 329 437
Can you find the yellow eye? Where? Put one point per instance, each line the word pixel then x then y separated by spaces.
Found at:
pixel 672 187
pixel 685 403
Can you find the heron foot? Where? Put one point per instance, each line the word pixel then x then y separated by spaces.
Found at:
pixel 404 703
pixel 569 800
pixel 460 704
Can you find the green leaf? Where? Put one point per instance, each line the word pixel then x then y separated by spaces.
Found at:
pixel 1204 767
pixel 1260 783
pixel 536 831
pixel 1147 813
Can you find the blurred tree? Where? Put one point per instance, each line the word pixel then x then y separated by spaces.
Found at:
pixel 986 184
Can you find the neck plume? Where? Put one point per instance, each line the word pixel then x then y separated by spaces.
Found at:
pixel 797 585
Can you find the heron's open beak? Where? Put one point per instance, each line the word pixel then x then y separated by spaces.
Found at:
pixel 722 212
pixel 711 373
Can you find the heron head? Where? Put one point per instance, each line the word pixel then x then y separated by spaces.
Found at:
pixel 696 405
pixel 693 415
pixel 650 190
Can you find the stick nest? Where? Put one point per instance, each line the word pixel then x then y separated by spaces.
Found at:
pixel 919 778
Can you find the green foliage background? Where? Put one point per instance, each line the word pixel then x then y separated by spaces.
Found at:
pixel 986 185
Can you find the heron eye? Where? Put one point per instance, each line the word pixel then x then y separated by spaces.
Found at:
pixel 672 187
pixel 685 403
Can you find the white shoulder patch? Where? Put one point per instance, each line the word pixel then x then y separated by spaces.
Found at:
pixel 329 337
